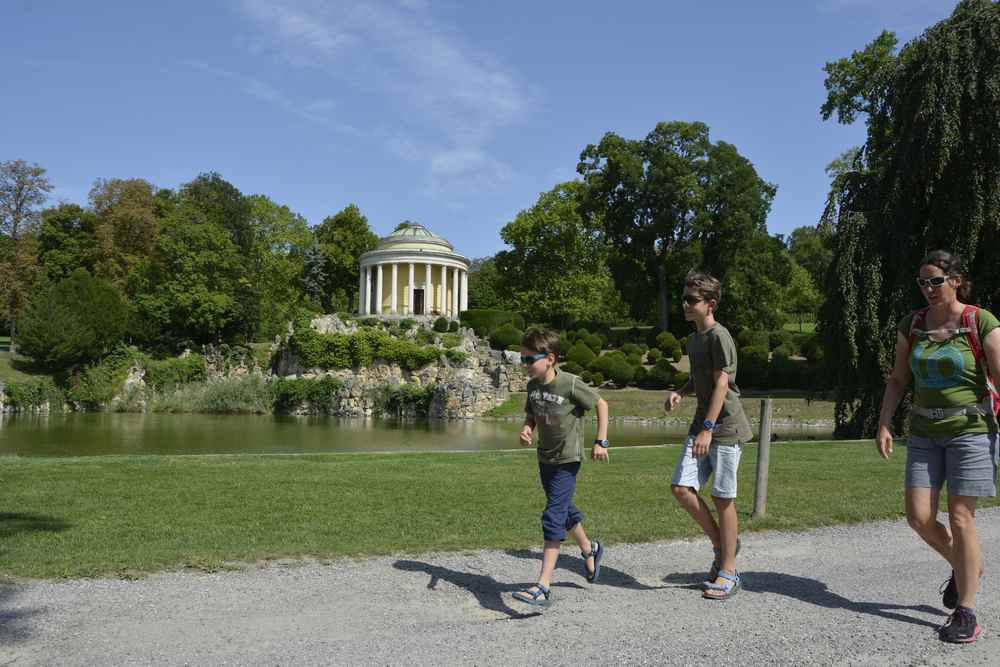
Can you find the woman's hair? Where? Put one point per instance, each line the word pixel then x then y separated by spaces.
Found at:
pixel 542 341
pixel 705 285
pixel 952 267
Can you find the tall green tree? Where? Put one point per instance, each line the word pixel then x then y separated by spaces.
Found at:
pixel 664 197
pixel 486 288
pixel 23 189
pixel 127 225
pixel 73 321
pixel 556 268
pixel 283 237
pixel 344 237
pixel 930 179
pixel 67 240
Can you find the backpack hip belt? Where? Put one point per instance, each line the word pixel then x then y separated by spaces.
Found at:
pixel 979 409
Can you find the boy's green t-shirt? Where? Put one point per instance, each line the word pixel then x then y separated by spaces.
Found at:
pixel 709 352
pixel 558 408
pixel 946 375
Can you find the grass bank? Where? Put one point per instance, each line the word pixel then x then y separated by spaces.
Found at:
pixel 128 515
pixel 648 403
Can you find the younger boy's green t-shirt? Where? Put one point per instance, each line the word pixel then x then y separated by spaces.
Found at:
pixel 946 375
pixel 558 409
pixel 712 351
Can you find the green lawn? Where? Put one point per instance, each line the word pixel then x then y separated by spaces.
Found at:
pixel 129 515
pixel 9 371
pixel 805 327
pixel 649 403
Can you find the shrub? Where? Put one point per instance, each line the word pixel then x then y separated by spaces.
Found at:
pixel 782 352
pixel 359 350
pixel 620 372
pixel 587 377
pixel 407 324
pixel 453 326
pixel 168 373
pixel 486 321
pixel 76 320
pixel 661 375
pixel 753 367
pixel 750 338
pixel 597 379
pixel 653 355
pixel 680 379
pixel 677 354
pixel 639 375
pixel 630 348
pixel 319 393
pixel 33 394
pixel 572 367
pixel 780 338
pixel 505 337
pixel 634 359
pixel 366 322
pixel 425 337
pixel 813 349
pixel 594 341
pixel 96 384
pixel 399 400
pixel 456 357
pixel 450 340
pixel 581 354
pixel 666 341
pixel 441 324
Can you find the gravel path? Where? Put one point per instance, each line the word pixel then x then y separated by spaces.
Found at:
pixel 845 595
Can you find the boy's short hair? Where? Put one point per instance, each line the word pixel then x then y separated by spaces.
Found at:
pixel 542 341
pixel 705 285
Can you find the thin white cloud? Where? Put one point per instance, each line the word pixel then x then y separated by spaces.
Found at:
pixel 446 101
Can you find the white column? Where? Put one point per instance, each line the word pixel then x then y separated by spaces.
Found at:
pixel 378 290
pixel 454 292
pixel 444 291
pixel 393 306
pixel 465 291
pixel 428 290
pixel 361 291
pixel 409 291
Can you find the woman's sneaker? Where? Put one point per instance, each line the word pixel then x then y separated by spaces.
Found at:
pixel 961 627
pixel 949 592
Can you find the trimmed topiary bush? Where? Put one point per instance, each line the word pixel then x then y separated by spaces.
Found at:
pixel 441 324
pixel 485 321
pixel 666 341
pixel 505 337
pixel 754 367
pixel 581 354
pixel 654 355
pixel 597 379
pixel 677 354
pixel 453 326
pixel 572 367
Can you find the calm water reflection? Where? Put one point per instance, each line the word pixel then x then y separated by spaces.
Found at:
pixel 94 434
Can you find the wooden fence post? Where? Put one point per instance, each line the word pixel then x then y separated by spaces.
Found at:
pixel 763 460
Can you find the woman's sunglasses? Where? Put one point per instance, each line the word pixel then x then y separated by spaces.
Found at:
pixel 528 359
pixel 936 281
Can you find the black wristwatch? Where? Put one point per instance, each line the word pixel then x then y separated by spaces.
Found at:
pixel 602 443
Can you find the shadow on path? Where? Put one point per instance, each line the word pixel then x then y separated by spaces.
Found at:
pixel 488 591
pixel 609 575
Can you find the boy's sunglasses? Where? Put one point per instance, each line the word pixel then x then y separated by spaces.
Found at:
pixel 527 359
pixel 936 281
pixel 691 299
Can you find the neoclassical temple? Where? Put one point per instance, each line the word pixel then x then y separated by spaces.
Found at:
pixel 413 272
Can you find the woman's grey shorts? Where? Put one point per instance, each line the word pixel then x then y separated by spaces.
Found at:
pixel 968 462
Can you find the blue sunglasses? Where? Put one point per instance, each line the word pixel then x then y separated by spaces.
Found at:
pixel 532 358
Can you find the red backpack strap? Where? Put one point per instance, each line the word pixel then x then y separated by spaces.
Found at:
pixel 916 324
pixel 970 322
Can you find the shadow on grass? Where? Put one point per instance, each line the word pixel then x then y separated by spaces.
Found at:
pixel 13 523
pixel 816 592
pixel 488 591
pixel 609 575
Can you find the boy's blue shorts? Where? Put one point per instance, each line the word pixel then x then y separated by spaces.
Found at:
pixel 559 482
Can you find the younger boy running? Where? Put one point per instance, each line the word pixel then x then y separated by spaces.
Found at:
pixel 555 406
pixel 717 433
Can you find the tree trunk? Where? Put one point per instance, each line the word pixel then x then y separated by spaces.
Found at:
pixel 661 282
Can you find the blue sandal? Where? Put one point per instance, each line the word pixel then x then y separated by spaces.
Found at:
pixel 726 590
pixel 597 552
pixel 713 572
pixel 541 597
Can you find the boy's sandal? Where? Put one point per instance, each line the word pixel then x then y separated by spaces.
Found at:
pixel 541 596
pixel 713 572
pixel 597 553
pixel 714 591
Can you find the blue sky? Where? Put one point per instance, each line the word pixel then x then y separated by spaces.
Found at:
pixel 454 114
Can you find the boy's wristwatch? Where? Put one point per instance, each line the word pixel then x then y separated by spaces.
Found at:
pixel 709 425
pixel 603 443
